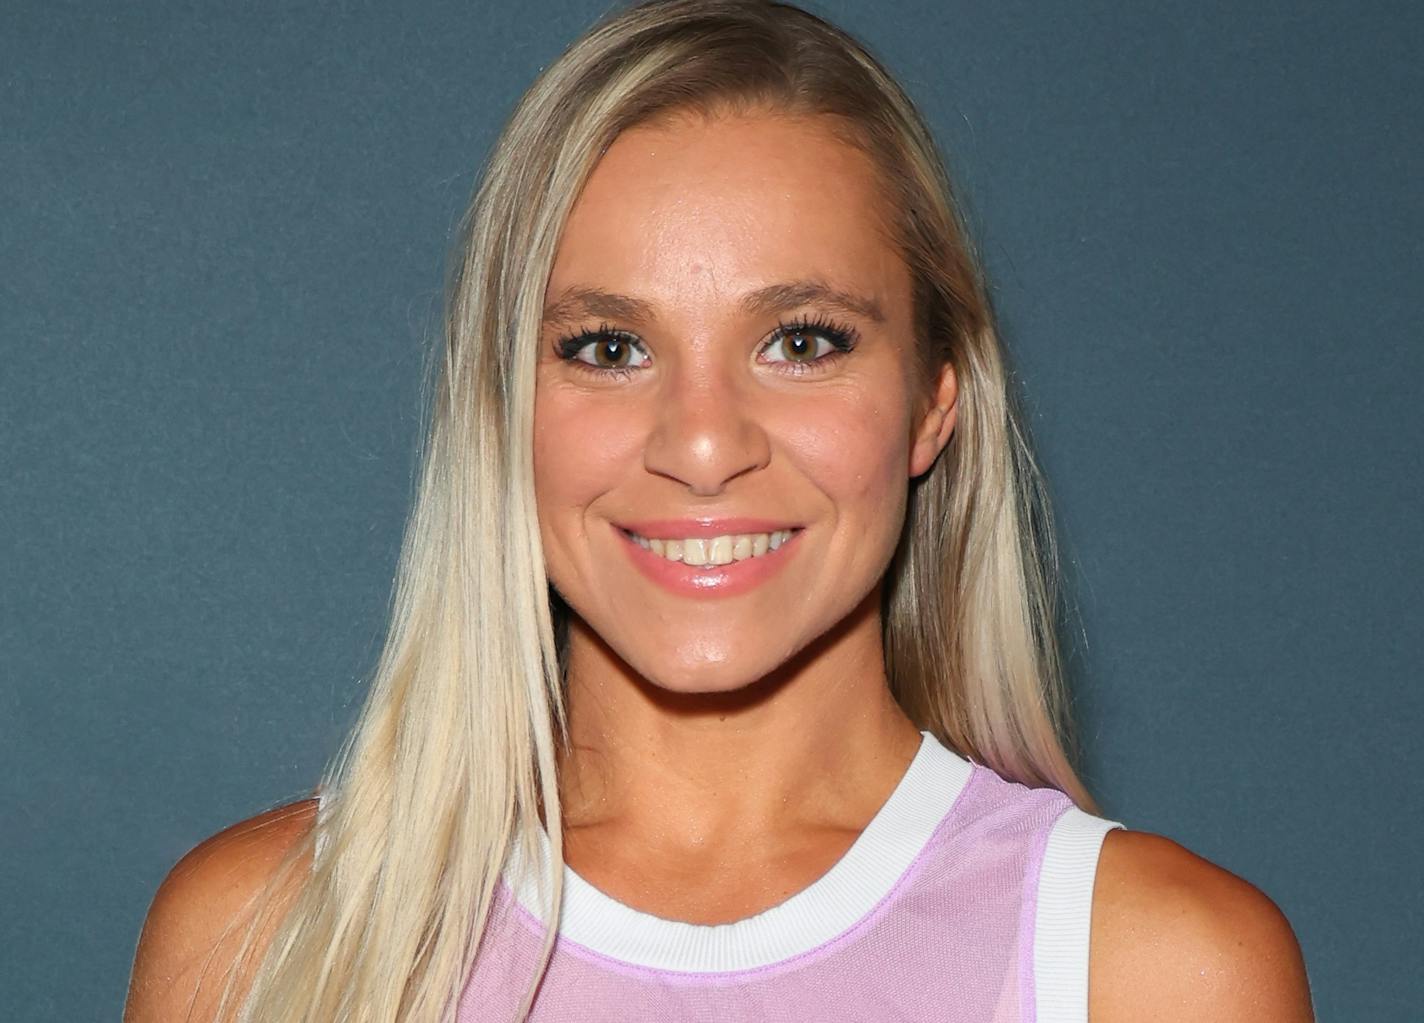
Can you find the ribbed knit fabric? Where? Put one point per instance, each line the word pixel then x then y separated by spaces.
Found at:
pixel 965 900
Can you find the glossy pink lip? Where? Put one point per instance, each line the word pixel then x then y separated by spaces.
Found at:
pixel 708 580
pixel 701 529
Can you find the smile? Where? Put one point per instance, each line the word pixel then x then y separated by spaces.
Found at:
pixel 716 550
pixel 718 559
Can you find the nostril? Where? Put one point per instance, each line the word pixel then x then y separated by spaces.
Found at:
pixel 706 454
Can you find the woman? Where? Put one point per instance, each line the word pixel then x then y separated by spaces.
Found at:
pixel 724 587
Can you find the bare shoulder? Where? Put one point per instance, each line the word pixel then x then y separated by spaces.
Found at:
pixel 195 924
pixel 1177 938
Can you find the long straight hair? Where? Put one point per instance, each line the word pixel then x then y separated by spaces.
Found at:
pixel 451 765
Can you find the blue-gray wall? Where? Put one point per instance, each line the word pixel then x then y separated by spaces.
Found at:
pixel 222 228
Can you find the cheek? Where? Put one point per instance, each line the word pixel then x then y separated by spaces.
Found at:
pixel 582 447
pixel 855 448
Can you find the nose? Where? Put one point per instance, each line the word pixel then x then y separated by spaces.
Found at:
pixel 707 431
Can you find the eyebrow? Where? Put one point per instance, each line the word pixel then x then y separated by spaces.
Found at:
pixel 777 298
pixel 574 303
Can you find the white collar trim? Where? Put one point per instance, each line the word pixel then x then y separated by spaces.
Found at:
pixel 829 907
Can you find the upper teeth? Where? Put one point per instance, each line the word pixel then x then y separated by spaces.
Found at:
pixel 719 550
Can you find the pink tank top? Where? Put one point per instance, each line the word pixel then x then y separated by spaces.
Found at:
pixel 966 900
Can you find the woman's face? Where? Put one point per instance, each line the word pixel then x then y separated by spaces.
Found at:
pixel 727 413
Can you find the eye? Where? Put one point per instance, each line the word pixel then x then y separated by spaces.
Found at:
pixel 604 349
pixel 806 342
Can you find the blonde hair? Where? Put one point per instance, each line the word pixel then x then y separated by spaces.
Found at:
pixel 452 762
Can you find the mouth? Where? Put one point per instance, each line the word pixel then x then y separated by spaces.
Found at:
pixel 715 560
pixel 713 551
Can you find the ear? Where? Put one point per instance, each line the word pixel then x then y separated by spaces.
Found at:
pixel 936 425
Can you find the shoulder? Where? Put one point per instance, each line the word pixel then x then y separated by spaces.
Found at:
pixel 1175 937
pixel 196 923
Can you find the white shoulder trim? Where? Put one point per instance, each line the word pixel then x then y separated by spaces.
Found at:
pixel 1064 915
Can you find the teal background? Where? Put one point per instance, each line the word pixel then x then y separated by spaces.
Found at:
pixel 222 231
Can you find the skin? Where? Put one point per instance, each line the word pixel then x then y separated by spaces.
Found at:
pixel 709 778
pixel 727 751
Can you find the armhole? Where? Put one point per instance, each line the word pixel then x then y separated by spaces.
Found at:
pixel 1064 914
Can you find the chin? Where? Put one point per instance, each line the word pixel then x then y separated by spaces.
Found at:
pixel 702 676
pixel 707 671
pixel 690 661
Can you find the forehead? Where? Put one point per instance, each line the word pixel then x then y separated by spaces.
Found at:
pixel 719 205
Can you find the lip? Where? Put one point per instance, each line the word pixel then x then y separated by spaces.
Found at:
pixel 708 580
pixel 702 529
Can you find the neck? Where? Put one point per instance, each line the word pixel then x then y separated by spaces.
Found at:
pixel 818 743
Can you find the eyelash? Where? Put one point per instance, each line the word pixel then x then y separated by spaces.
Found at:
pixel 841 337
pixel 568 347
